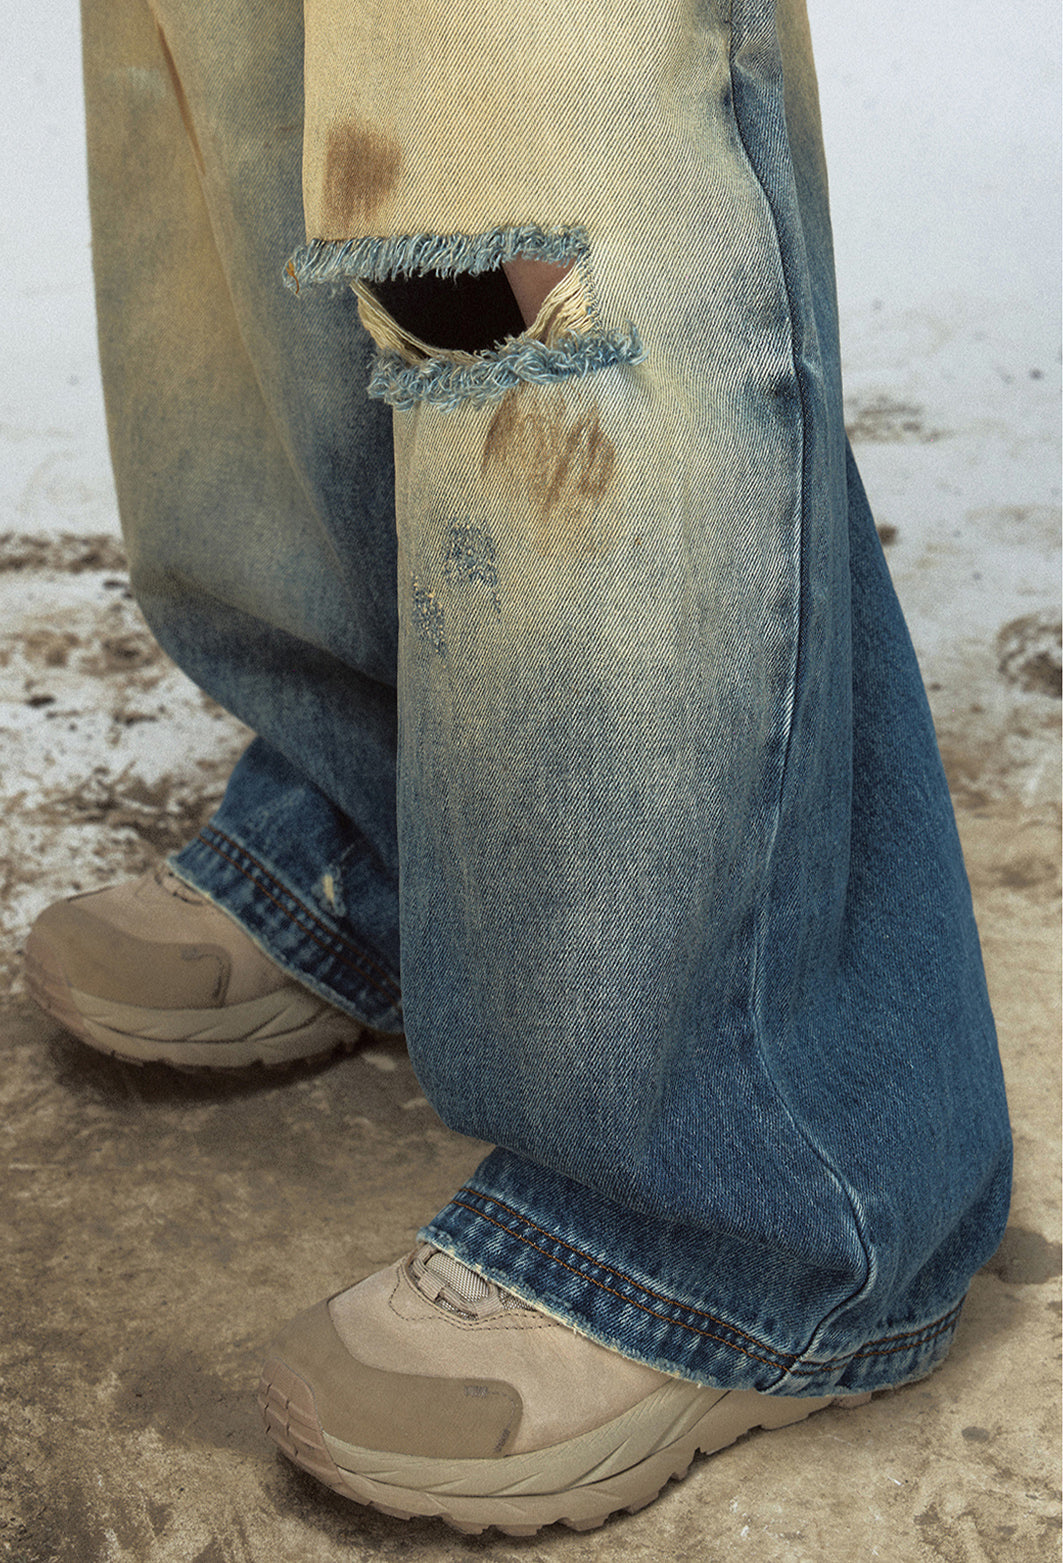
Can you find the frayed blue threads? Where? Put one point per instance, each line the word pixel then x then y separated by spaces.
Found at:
pixel 338 261
pixel 447 385
pixel 470 556
pixel 428 617
pixel 442 381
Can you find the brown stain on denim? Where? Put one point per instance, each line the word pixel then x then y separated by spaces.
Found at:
pixel 362 167
pixel 565 465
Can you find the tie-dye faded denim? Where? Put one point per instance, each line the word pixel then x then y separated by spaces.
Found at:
pixel 642 780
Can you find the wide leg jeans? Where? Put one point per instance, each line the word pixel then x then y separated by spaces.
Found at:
pixel 592 752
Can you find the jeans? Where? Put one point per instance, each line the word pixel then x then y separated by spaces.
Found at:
pixel 592 752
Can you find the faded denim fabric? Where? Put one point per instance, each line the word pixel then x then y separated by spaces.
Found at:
pixel 642 784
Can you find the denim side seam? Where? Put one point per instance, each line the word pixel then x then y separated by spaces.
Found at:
pixel 760 937
pixel 339 951
pixel 811 1377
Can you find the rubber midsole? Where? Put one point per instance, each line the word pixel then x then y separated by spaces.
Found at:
pixel 676 1414
pixel 287 1024
pixel 273 1014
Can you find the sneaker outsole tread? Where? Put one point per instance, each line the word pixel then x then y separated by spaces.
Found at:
pixel 291 1420
pixel 264 1048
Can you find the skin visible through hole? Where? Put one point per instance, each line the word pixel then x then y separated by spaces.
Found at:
pixel 470 313
pixel 531 281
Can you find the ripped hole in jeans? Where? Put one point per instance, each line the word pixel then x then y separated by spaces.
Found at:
pixel 464 314
pixel 422 316
pixel 447 323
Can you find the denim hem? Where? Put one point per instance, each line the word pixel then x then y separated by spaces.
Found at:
pixel 598 1297
pixel 302 941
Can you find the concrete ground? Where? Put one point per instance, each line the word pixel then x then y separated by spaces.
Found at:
pixel 156 1228
pixel 159 1227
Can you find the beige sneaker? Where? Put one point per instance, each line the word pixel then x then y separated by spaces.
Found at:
pixel 153 971
pixel 426 1390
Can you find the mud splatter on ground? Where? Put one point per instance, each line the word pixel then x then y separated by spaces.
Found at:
pixel 65 554
pixel 885 421
pixel 1030 654
pixel 109 757
pixel 161 1228
pixel 136 1324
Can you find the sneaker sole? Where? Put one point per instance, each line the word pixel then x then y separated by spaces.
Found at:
pixel 434 1489
pixel 288 1025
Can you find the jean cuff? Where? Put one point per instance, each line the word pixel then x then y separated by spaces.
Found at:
pixel 291 926
pixel 578 1257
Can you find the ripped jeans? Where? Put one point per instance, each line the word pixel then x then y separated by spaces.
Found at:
pixel 592 752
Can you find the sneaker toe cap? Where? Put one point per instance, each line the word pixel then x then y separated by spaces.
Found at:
pixel 401 1413
pixel 97 958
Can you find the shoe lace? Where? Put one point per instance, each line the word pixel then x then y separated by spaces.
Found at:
pixel 167 880
pixel 450 1284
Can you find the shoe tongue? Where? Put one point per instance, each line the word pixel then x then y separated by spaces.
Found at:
pixel 469 1286
pixel 451 1284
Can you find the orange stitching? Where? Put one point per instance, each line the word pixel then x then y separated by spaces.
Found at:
pixel 768 1362
pixel 935 1327
pixel 917 1339
pixel 670 1302
pixel 907 1342
pixel 328 932
pixel 354 964
pixel 391 991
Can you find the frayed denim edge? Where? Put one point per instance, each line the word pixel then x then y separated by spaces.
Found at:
pixel 447 385
pixel 338 261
